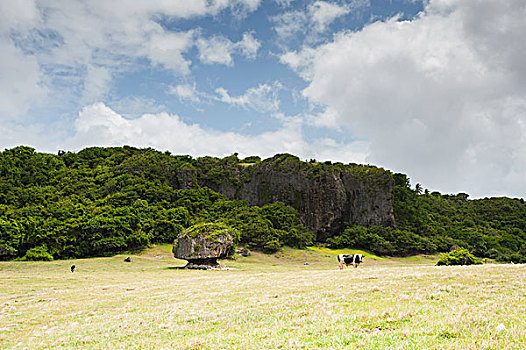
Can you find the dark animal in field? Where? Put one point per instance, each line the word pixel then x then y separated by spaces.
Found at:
pixel 73 268
pixel 128 259
pixel 243 252
pixel 350 259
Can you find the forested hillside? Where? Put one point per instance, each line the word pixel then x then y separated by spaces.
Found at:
pixel 104 200
pixel 491 227
pixel 426 222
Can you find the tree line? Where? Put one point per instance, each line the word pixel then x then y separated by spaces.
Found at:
pixel 493 228
pixel 101 201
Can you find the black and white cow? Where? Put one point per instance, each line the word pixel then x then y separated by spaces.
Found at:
pixel 350 259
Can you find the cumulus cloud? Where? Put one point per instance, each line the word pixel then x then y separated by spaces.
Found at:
pixel 98 124
pixel 263 98
pixel 76 47
pixel 441 97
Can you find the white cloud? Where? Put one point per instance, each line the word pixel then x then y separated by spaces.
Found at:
pixel 216 50
pixel 17 14
pixel 134 106
pixel 123 9
pixel 20 81
pixel 79 46
pixel 97 124
pixel 219 50
pixel 328 118
pixel 241 8
pixel 441 97
pixel 96 83
pixel 167 49
pixel 248 46
pixel 20 75
pixel 324 13
pixel 289 24
pixel 284 3
pixel 300 61
pixel 312 21
pixel 263 98
pixel 330 149
pixel 186 92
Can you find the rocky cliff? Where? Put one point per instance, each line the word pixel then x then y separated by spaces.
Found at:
pixel 327 196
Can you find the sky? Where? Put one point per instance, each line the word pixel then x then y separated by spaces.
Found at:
pixel 435 89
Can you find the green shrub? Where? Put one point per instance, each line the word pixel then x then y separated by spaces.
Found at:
pixel 272 246
pixel 38 253
pixel 383 240
pixel 286 221
pixel 459 257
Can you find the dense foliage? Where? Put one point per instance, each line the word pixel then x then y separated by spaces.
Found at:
pixel 383 240
pixel 492 228
pixel 459 256
pixel 104 200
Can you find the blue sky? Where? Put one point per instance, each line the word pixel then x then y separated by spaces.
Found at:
pixel 435 89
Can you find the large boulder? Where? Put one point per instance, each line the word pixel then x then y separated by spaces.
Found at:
pixel 203 244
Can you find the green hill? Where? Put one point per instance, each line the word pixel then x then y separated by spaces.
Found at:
pixel 100 201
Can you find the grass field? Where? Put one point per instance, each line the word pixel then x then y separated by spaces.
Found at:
pixel 267 302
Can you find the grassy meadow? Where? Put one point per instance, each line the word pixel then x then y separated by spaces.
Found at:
pixel 266 302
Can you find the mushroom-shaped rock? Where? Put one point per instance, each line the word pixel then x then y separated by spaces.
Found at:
pixel 202 244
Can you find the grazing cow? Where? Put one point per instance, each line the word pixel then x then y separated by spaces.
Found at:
pixel 72 268
pixel 350 259
pixel 128 259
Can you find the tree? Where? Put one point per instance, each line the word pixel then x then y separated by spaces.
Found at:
pixel 459 257
pixel 9 239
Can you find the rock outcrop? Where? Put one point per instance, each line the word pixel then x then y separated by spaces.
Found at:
pixel 327 196
pixel 203 244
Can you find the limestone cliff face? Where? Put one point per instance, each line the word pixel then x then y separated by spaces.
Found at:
pixel 327 196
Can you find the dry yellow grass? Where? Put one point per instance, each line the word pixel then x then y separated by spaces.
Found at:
pixel 269 302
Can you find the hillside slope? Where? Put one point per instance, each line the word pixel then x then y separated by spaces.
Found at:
pixel 101 201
